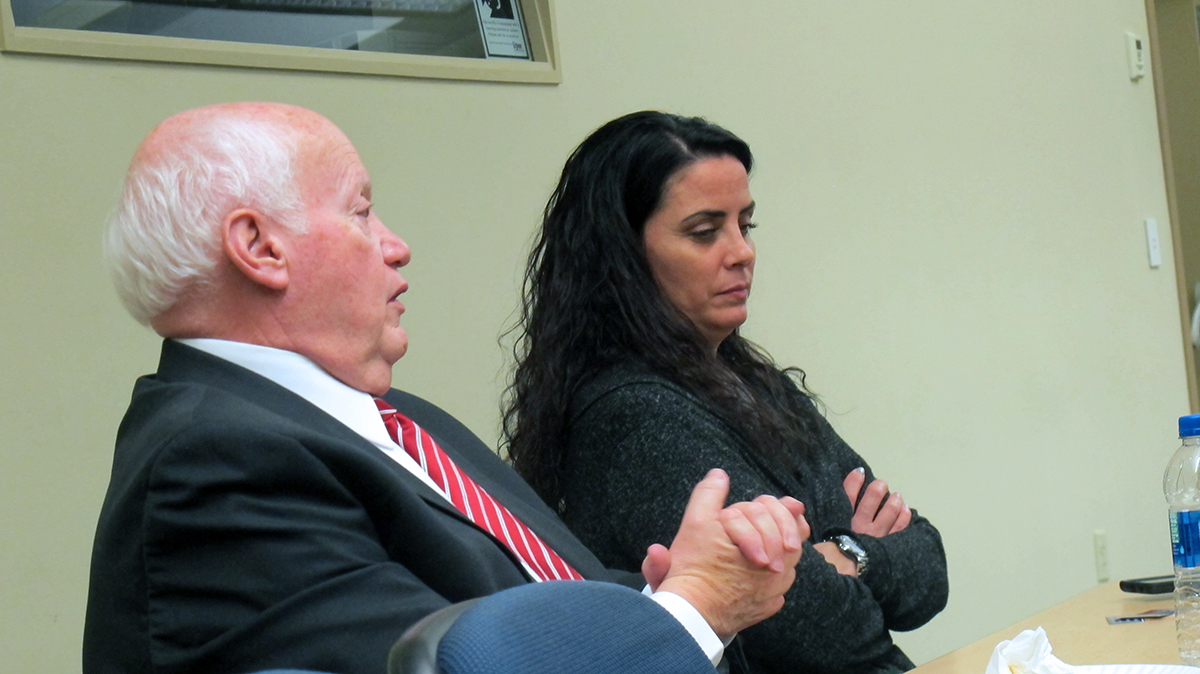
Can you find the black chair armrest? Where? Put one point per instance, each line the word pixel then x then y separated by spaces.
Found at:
pixel 416 650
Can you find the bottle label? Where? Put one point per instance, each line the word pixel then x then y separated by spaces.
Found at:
pixel 1185 538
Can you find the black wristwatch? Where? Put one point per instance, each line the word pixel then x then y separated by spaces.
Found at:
pixel 853 550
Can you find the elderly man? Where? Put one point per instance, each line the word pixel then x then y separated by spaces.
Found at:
pixel 266 509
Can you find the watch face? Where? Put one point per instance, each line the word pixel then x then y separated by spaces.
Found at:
pixel 852 549
pixel 847 544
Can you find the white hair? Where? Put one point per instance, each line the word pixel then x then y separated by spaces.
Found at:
pixel 164 239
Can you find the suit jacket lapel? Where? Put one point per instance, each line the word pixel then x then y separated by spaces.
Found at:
pixel 181 362
pixel 498 478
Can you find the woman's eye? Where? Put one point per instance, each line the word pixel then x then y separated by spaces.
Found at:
pixel 365 213
pixel 747 227
pixel 704 234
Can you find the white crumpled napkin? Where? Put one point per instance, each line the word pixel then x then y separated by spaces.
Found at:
pixel 1027 653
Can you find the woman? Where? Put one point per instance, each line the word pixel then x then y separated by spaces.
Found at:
pixel 632 382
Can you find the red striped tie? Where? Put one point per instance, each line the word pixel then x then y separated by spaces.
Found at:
pixel 471 499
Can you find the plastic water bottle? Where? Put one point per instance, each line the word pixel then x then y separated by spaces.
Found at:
pixel 1181 485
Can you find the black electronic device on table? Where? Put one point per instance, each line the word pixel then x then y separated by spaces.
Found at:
pixel 1151 585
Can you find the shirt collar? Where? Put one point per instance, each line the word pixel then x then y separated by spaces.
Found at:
pixel 301 376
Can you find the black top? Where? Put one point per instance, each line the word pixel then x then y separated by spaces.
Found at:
pixel 638 443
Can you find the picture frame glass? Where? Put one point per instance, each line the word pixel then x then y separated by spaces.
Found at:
pixel 479 29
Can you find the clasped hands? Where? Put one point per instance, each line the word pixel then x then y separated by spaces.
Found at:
pixel 733 563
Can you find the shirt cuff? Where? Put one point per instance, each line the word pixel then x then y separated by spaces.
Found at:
pixel 693 622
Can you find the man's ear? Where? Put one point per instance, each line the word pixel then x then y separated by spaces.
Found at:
pixel 252 243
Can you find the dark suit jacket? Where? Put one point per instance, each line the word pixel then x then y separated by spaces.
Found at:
pixel 245 529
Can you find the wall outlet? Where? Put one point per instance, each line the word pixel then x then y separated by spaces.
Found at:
pixel 1152 244
pixel 1100 545
pixel 1136 51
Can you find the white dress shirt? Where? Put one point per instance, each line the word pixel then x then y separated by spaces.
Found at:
pixel 357 411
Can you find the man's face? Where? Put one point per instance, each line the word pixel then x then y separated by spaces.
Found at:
pixel 344 282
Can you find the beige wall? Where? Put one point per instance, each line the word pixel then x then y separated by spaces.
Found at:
pixel 951 197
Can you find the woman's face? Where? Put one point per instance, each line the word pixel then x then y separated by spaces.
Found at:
pixel 698 246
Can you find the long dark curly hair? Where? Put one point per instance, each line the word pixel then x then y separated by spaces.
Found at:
pixel 591 301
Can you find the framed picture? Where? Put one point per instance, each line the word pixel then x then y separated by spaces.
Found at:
pixel 495 40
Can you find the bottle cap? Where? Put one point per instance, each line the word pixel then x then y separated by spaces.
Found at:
pixel 1189 426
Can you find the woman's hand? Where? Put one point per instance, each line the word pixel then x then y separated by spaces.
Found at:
pixel 869 518
pixel 834 555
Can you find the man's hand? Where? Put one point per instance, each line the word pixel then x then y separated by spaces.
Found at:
pixel 759 538
pixel 869 518
pixel 732 564
pixel 759 529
